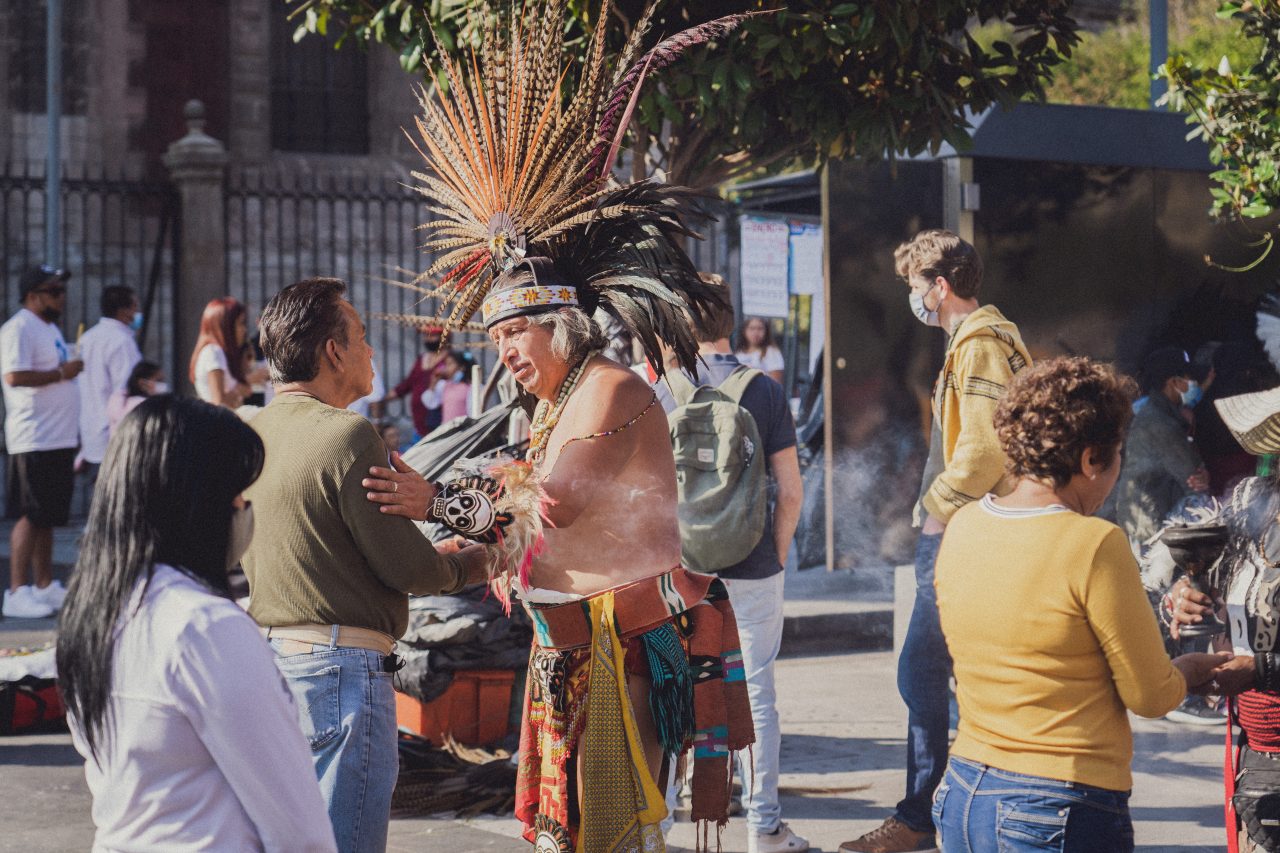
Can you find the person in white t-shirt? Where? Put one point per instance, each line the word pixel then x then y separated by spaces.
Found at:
pixel 109 352
pixel 221 359
pixel 190 736
pixel 756 348
pixel 41 433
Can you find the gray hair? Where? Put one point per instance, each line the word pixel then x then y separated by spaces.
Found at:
pixel 573 333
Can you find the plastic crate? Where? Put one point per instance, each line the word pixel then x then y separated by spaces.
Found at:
pixel 475 710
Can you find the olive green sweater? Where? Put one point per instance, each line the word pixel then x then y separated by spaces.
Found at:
pixel 322 552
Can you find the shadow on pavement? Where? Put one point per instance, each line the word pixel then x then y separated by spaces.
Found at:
pixel 25 754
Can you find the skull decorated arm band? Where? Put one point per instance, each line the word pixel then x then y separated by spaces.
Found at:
pixel 468 507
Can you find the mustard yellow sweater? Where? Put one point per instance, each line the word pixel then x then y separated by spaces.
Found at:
pixel 1052 638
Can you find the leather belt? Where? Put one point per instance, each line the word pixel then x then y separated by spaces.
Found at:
pixel 330 636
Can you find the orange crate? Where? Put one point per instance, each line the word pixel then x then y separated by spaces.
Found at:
pixel 475 710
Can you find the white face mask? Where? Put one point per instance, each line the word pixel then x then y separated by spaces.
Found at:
pixel 240 535
pixel 159 387
pixel 923 313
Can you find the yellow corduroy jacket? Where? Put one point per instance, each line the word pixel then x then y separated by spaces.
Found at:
pixel 982 356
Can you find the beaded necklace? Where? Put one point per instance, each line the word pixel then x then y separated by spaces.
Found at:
pixel 547 414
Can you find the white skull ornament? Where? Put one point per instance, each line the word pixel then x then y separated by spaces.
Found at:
pixel 466 511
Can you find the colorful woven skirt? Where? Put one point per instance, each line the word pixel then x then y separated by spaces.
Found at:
pixel 677 630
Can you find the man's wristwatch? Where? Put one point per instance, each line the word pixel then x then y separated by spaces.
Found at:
pixel 468 507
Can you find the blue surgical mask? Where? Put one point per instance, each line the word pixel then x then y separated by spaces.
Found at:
pixel 136 322
pixel 924 314
pixel 459 376
pixel 1193 395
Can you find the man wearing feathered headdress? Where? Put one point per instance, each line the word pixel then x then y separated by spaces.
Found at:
pixel 635 659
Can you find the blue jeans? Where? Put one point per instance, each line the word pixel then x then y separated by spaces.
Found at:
pixel 981 809
pixel 924 676
pixel 347 708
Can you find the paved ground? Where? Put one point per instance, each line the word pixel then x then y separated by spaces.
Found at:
pixel 842 754
pixel 842 749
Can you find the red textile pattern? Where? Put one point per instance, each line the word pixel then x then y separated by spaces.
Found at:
pixel 1259 715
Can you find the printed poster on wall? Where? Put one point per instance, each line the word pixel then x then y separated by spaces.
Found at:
pixel 806 280
pixel 806 259
pixel 765 269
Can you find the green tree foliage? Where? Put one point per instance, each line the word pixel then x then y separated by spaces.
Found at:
pixel 1235 108
pixel 1110 67
pixel 807 81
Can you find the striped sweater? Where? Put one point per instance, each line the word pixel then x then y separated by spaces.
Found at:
pixel 982 356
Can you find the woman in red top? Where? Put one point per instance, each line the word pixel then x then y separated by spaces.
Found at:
pixel 422 378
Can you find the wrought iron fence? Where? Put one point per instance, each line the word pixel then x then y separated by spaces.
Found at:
pixel 286 226
pixel 117 229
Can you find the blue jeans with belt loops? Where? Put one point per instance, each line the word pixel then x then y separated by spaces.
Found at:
pixel 982 809
pixel 347 709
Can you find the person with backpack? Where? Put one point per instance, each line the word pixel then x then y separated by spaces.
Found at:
pixel 733 439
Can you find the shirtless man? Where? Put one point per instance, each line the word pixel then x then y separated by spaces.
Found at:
pixel 601 448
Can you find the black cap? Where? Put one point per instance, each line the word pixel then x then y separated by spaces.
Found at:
pixel 37 276
pixel 1162 365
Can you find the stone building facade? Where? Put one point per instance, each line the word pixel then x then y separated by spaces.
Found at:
pixel 315 174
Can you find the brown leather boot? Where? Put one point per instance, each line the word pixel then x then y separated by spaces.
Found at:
pixel 892 836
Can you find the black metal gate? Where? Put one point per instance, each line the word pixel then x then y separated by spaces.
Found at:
pixel 286 226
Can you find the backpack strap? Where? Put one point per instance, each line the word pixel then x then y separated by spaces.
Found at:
pixel 682 387
pixel 735 384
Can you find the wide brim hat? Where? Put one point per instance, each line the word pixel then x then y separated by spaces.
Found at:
pixel 1254 420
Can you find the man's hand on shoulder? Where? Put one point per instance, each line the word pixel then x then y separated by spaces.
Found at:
pixel 400 491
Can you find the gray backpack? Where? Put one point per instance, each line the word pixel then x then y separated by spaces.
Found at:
pixel 720 471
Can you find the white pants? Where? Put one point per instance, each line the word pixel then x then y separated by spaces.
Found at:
pixel 757 605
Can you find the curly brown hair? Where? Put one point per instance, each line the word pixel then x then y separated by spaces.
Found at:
pixel 1055 410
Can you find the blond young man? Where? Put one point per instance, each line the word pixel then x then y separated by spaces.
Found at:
pixel 984 351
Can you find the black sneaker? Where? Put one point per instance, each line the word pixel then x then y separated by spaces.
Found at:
pixel 1195 711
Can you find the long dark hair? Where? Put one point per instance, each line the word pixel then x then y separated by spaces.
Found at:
pixel 164 496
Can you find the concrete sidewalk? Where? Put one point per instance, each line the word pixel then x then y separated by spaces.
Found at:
pixel 842 758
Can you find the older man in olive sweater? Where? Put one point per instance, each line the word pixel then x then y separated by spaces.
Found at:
pixel 329 573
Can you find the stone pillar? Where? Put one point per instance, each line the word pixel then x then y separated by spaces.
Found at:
pixel 197 164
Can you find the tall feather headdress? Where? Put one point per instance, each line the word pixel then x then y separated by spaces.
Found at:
pixel 520 168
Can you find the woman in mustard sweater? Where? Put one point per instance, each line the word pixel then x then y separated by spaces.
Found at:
pixel 1052 637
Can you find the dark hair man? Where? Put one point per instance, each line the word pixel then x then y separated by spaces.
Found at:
pixel 109 352
pixel 329 575
pixel 984 351
pixel 756 584
pixel 40 428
